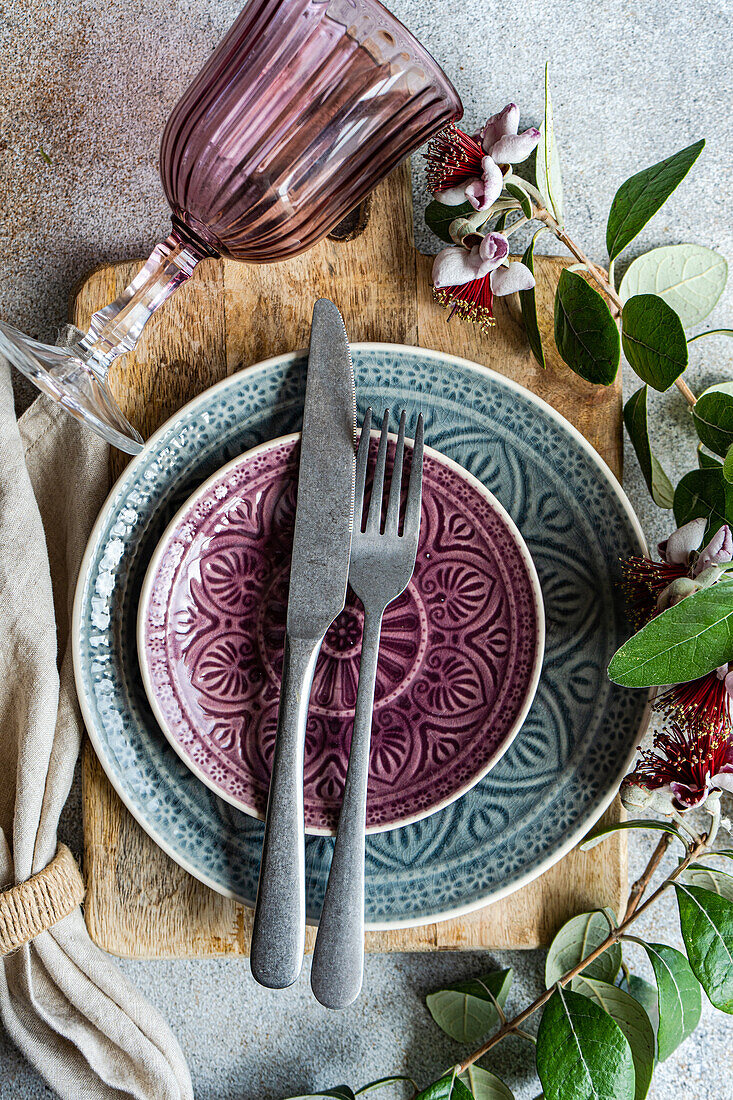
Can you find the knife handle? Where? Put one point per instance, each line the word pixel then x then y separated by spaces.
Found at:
pixel 278 935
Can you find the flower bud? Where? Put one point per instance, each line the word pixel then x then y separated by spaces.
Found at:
pixel 676 591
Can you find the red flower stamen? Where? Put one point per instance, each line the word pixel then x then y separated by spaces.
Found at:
pixel 689 761
pixel 471 302
pixel 643 581
pixel 704 704
pixel 453 158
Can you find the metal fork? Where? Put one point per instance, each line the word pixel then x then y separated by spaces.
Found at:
pixel 380 569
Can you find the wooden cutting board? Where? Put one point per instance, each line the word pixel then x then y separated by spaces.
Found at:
pixel 139 903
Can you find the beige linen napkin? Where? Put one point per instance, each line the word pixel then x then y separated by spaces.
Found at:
pixel 78 1020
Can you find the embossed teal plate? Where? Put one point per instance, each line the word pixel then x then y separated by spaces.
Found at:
pixel 579 737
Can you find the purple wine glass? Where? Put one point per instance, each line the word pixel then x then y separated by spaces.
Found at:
pixel 301 110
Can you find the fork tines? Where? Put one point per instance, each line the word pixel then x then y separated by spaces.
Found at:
pixel 373 523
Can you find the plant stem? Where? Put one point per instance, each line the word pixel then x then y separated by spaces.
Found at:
pixel 637 890
pixel 599 277
pixel 613 937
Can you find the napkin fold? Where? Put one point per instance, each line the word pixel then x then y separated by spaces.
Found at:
pixel 81 1023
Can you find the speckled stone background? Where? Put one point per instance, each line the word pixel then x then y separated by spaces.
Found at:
pixel 89 85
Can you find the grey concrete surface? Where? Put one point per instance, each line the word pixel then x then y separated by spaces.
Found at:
pixel 90 84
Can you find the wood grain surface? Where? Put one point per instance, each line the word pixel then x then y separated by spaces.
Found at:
pixel 228 316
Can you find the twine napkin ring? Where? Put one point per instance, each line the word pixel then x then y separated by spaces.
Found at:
pixel 40 902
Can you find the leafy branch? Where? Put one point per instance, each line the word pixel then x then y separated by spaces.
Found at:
pixel 633 912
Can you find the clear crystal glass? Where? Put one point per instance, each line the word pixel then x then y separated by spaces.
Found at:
pixel 301 110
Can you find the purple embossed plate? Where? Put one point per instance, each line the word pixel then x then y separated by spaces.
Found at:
pixel 460 654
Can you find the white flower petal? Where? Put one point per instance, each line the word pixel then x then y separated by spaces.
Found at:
pixel 494 249
pixel 717 552
pixel 680 544
pixel 483 193
pixel 507 280
pixel 453 196
pixel 514 148
pixel 504 122
pixel 723 781
pixel 456 266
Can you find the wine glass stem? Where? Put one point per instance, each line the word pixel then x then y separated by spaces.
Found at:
pixel 116 329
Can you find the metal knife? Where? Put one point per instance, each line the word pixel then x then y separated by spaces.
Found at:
pixel 318 575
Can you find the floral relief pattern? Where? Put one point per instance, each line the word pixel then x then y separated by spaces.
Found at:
pixel 568 758
pixel 457 653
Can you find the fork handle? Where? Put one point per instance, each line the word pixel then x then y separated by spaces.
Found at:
pixel 278 934
pixel 338 957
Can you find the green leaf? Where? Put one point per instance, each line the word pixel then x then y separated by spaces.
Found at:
pixel 689 277
pixel 517 192
pixel 683 643
pixel 528 302
pixel 678 992
pixel 646 994
pixel 485 1085
pixel 713 418
pixel 549 176
pixel 728 465
pixel 633 1021
pixel 599 835
pixel 704 493
pixel 706 461
pixel 582 1054
pixel 639 198
pixel 438 217
pixel 585 332
pixel 448 1087
pixel 382 1083
pixel 706 920
pixel 653 340
pixel 575 941
pixel 709 878
pixel 465 1010
pixel 635 419
pixel 711 332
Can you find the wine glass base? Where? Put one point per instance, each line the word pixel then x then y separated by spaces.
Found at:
pixel 61 374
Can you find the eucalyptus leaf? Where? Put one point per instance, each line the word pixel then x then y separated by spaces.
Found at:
pixel 633 1021
pixel 653 340
pixel 465 1010
pixel 728 465
pixel 438 217
pixel 528 302
pixel 575 941
pixel 713 418
pixel 704 493
pixel 689 277
pixel 448 1087
pixel 485 1085
pixel 683 643
pixel 549 176
pixel 678 992
pixel 706 461
pixel 640 197
pixel 582 1053
pixel 585 332
pixel 635 419
pixel 706 920
pixel 599 835
pixel 709 878
pixel 517 192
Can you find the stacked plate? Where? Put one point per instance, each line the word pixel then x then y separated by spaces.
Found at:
pixel 488 763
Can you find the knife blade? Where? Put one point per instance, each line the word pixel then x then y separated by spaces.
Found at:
pixel 318 576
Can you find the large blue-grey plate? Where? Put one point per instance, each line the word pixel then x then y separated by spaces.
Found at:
pixel 576 744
